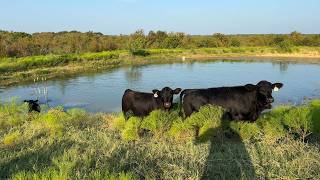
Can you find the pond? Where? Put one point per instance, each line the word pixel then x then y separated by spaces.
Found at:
pixel 102 92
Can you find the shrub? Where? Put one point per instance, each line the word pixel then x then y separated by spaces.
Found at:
pixel 285 46
pixel 139 52
pixel 235 43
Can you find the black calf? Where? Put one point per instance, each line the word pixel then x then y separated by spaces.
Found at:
pixel 141 103
pixel 33 105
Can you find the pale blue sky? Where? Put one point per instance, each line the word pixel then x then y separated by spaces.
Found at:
pixel 190 16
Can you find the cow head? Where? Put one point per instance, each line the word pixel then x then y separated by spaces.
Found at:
pixel 166 96
pixel 264 92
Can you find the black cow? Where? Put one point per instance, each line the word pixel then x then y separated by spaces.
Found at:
pixel 240 102
pixel 141 103
pixel 33 105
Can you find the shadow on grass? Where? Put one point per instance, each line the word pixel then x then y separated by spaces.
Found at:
pixel 33 160
pixel 228 157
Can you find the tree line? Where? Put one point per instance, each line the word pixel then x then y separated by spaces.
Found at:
pixel 19 44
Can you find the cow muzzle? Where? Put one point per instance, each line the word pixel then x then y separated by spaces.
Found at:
pixel 167 105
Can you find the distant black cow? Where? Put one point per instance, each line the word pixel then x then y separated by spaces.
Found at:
pixel 33 105
pixel 141 103
pixel 240 102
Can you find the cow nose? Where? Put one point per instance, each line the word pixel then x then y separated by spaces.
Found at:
pixel 167 104
pixel 270 100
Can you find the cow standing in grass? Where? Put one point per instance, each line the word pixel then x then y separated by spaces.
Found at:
pixel 240 102
pixel 141 103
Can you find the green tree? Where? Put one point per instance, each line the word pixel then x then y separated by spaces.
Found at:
pixel 222 40
pixel 138 43
pixel 296 38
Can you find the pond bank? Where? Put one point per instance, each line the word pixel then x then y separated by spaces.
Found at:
pixel 26 69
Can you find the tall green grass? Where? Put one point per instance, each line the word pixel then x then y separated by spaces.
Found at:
pixel 281 144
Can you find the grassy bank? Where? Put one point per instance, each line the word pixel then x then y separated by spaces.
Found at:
pixel 282 144
pixel 16 70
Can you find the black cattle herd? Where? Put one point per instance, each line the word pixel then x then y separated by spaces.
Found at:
pixel 240 102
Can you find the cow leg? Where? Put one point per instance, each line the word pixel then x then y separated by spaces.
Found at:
pixel 237 116
pixel 187 108
pixel 125 115
pixel 125 110
pixel 226 116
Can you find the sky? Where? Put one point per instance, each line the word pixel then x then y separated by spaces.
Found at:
pixel 189 16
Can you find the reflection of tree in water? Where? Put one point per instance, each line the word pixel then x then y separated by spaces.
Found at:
pixel 228 157
pixel 62 84
pixel 282 65
pixel 190 65
pixel 133 74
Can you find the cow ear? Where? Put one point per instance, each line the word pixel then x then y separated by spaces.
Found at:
pixel 250 87
pixel 177 90
pixel 277 86
pixel 155 93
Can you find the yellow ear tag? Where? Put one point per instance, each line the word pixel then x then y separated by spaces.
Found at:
pixel 275 89
pixel 155 95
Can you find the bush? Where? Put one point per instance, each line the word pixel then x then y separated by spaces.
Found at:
pixel 285 46
pixel 235 43
pixel 139 52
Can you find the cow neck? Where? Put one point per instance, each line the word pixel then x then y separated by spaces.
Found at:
pixel 157 100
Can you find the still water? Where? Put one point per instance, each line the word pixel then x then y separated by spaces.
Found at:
pixel 103 91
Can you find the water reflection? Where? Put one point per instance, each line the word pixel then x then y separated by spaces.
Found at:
pixel 283 66
pixel 133 74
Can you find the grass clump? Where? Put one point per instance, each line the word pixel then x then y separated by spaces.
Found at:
pixel 11 138
pixel 11 114
pixel 79 145
pixel 159 122
pixel 131 129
